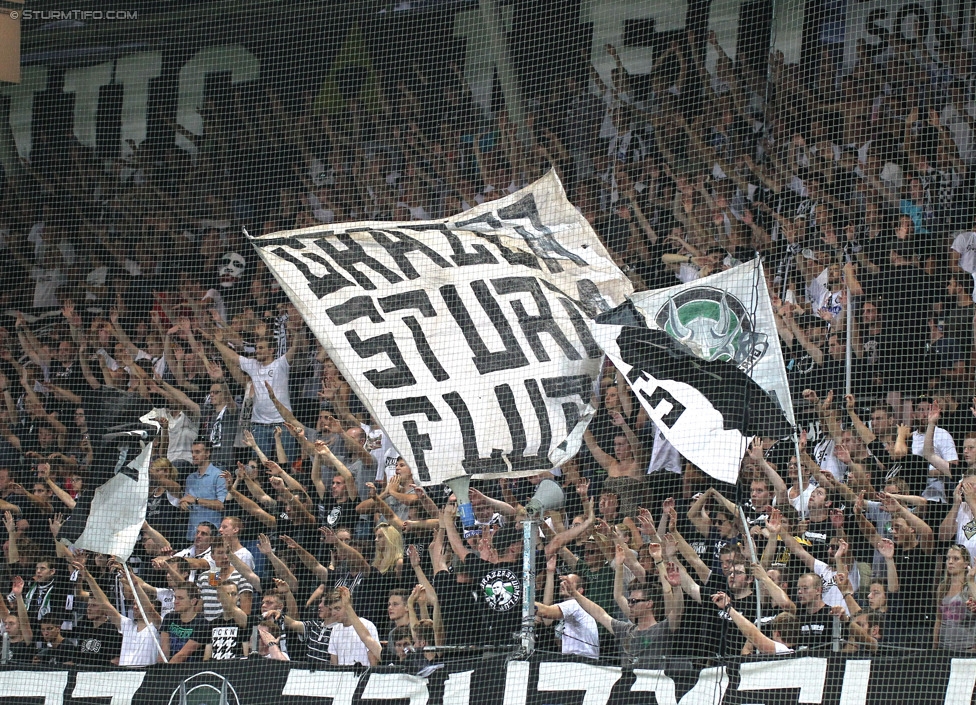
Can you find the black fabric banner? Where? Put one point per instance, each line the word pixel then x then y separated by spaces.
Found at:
pixel 918 679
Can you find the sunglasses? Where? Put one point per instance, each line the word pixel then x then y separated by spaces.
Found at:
pixel 635 600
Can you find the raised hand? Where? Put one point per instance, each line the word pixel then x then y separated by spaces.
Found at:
pixel 886 547
pixel 842 548
pixel 673 574
pixel 414 555
pixel 582 488
pixel 721 600
pixel 756 451
pixel 289 541
pixel 656 552
pixel 668 508
pixel 277 483
pixel 264 545
pixel 774 522
pixel 837 518
pixel 842 581
pixel 842 453
pixel 55 523
pixel 17 586
pixel 645 521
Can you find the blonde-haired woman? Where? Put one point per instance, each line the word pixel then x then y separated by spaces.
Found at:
pixel 955 624
pixel 384 574
pixel 162 510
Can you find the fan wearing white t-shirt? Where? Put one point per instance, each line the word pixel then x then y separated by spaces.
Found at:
pixel 963 254
pixel 578 632
pixel 354 640
pixel 139 638
pixel 265 368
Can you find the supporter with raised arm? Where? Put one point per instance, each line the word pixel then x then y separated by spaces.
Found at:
pixel 18 626
pixel 265 367
pixel 644 641
pixel 577 629
pixel 230 633
pixel 927 412
pixel 785 628
pixel 837 550
pixel 353 640
pixel 139 638
pixel 911 612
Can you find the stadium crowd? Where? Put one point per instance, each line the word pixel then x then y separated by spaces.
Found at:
pixel 278 509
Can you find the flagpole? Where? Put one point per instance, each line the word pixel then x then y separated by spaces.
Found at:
pixel 142 612
pixel 752 559
pixel 799 474
pixel 849 352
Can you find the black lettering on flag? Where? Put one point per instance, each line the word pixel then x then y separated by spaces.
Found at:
pixel 419 442
pixel 391 378
pixel 516 429
pixel 542 242
pixel 661 395
pixel 486 361
pixel 534 326
pixel 399 248
pixel 355 254
pixel 541 414
pixel 356 307
pixel 517 257
pixel 593 350
pixel 473 463
pixel 461 257
pixel 321 286
pixel 417 299
pixel 570 386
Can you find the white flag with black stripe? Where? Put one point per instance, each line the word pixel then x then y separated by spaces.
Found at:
pixel 704 360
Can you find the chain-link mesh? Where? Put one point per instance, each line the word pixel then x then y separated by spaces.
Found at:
pixel 487 351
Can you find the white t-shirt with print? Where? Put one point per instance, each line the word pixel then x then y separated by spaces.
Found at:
pixel 276 374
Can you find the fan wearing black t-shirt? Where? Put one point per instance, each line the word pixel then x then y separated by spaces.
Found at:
pixel 816 621
pixel 497 573
pixel 54 649
pixel 184 630
pixel 910 615
pixel 99 642
pixel 337 509
pixel 719 635
pixel 230 634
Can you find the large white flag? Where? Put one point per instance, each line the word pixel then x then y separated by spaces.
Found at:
pixel 467 337
pixel 118 509
pixel 704 360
